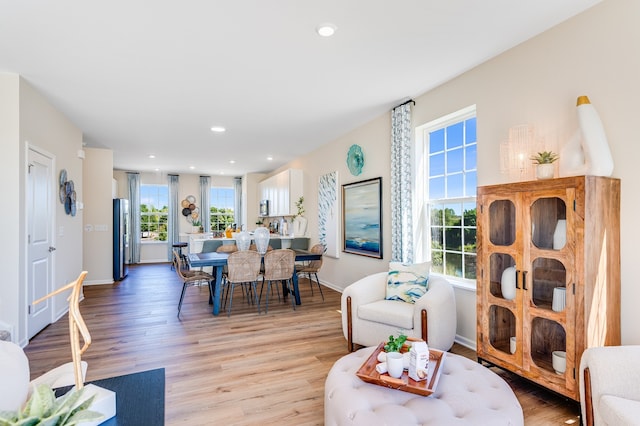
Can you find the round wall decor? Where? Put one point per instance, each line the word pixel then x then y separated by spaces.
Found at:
pixel 355 159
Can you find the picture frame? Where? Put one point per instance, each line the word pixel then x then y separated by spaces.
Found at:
pixel 362 218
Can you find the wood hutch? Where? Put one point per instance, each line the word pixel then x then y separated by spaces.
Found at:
pixel 518 226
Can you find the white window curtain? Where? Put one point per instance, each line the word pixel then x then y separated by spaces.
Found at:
pixel 237 210
pixel 205 203
pixel 173 226
pixel 133 180
pixel 401 191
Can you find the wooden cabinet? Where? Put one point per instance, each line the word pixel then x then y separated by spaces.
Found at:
pixel 282 190
pixel 543 237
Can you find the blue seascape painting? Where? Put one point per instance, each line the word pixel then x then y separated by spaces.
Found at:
pixel 362 218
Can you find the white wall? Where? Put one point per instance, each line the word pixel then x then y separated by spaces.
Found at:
pixel 98 216
pixel 535 83
pixel 28 119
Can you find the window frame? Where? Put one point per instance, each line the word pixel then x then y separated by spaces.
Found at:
pixel 211 205
pixel 165 214
pixel 422 204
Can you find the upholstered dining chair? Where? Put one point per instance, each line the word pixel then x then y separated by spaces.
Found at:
pixel 279 266
pixel 313 267
pixel 244 270
pixel 189 278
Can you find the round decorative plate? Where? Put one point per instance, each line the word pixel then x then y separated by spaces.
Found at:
pixel 63 176
pixel 355 160
pixel 67 205
pixel 69 186
pixel 62 193
pixel 192 206
pixel 191 199
pixel 73 206
pixel 73 197
pixel 184 204
pixel 186 211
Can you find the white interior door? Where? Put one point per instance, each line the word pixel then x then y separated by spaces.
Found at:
pixel 40 225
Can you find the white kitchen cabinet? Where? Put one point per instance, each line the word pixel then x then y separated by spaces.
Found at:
pixel 283 190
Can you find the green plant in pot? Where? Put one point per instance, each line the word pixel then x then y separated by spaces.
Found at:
pixel 544 160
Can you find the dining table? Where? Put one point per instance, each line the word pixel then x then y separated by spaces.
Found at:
pixel 219 260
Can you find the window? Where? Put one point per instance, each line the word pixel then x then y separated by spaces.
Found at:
pixel 222 200
pixel 154 209
pixel 449 200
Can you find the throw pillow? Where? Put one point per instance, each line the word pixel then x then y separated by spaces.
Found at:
pixel 407 282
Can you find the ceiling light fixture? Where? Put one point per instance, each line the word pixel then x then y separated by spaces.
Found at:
pixel 218 129
pixel 326 29
pixel 152 156
pixel 232 161
pixel 269 158
pixel 192 167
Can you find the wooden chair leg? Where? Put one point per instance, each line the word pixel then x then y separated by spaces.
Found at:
pixel 588 402
pixel 423 320
pixel 349 326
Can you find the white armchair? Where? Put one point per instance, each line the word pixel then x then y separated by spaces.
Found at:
pixel 609 391
pixel 368 319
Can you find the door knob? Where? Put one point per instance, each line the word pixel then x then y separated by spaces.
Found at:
pixel 51 248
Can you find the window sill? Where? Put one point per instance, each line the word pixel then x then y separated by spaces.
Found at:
pixel 152 242
pixel 466 285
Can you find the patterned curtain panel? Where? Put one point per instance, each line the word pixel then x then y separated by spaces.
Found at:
pixel 173 228
pixel 205 202
pixel 237 189
pixel 401 192
pixel 134 217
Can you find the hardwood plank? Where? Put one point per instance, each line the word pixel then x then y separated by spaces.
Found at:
pixel 244 369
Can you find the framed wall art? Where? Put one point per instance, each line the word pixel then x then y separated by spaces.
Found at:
pixel 362 217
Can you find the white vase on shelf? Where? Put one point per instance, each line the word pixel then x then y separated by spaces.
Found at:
pixel 560 234
pixel 508 283
pixel 299 226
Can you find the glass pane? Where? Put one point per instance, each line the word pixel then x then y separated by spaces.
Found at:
pixel 436 262
pixel 436 214
pixel 470 267
pixel 454 186
pixel 469 214
pixel 436 141
pixel 548 222
pixel 470 240
pixel 455 135
pixel 502 222
pixel 452 214
pixel 436 238
pixel 502 326
pixel 455 161
pixel 471 184
pixel 502 276
pixel 470 130
pixel 453 264
pixel 470 154
pixel 453 239
pixel 436 188
pixel 436 164
pixel 548 275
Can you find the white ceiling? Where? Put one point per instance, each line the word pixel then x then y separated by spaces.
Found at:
pixel 151 77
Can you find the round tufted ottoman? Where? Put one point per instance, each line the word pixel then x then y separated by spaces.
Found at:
pixel 467 394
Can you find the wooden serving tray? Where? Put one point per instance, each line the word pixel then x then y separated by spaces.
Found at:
pixel 369 374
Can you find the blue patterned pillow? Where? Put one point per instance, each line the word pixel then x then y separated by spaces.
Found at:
pixel 407 282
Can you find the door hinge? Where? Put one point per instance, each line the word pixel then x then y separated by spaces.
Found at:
pixel 574 289
pixel 29 309
pixel 29 167
pixel 29 239
pixel 574 373
pixel 574 205
pixel 481 208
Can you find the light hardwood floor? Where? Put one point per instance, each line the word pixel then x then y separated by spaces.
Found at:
pixel 245 369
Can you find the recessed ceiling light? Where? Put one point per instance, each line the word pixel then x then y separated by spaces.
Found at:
pixel 218 129
pixel 232 161
pixel 269 158
pixel 192 167
pixel 156 169
pixel 152 156
pixel 326 29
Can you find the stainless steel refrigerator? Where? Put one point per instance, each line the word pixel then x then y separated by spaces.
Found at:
pixel 120 238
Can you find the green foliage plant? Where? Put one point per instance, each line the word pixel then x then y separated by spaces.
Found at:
pixel 395 343
pixel 300 206
pixel 544 157
pixel 44 409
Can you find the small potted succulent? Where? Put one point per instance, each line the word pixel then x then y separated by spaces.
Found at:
pixel 545 169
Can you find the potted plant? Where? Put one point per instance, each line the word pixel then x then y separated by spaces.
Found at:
pixel 195 227
pixel 43 408
pixel 544 160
